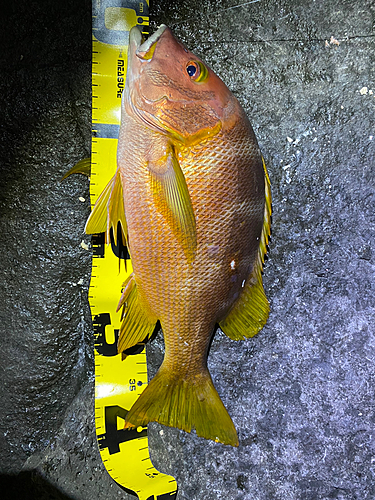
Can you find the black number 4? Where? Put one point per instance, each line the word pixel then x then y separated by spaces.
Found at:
pixel 113 436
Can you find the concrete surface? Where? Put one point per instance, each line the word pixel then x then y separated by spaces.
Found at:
pixel 301 393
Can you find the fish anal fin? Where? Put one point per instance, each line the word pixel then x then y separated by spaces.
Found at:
pixel 108 211
pixel 173 201
pixel 249 313
pixel 137 324
pixel 185 403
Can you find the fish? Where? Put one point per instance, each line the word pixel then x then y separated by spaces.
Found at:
pixel 191 200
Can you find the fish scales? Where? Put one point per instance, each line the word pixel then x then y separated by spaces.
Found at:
pixel 196 201
pixel 206 287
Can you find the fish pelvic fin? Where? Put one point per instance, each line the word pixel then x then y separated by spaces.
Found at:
pixel 185 403
pixel 108 211
pixel 81 167
pixel 172 199
pixel 249 313
pixel 137 326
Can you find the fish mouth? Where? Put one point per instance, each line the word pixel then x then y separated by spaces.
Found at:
pixel 141 50
pixel 145 49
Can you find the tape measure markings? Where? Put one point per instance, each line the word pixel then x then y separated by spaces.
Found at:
pixel 118 383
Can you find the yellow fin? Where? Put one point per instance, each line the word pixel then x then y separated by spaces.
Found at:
pixel 250 312
pixel 185 403
pixel 116 210
pixel 136 325
pixel 82 167
pixel 108 211
pixel 97 221
pixel 172 198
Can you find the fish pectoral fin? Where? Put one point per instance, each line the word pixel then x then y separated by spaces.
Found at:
pixel 81 167
pixel 137 325
pixel 185 403
pixel 173 201
pixel 108 211
pixel 249 313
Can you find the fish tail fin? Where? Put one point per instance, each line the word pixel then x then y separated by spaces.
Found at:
pixel 184 403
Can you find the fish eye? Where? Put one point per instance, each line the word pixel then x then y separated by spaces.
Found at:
pixel 197 71
pixel 192 69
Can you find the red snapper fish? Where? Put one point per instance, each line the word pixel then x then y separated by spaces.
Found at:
pixel 192 197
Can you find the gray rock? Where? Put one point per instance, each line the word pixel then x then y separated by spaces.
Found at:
pixel 71 464
pixel 46 352
pixel 301 393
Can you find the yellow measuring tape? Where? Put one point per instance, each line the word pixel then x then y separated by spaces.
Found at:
pixel 118 383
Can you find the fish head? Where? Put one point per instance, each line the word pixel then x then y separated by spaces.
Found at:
pixel 172 90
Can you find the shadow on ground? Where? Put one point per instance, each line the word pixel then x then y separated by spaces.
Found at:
pixel 29 485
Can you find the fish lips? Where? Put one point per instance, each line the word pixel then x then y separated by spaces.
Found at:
pixel 139 52
pixel 146 49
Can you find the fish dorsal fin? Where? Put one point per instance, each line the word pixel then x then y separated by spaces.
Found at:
pixel 137 325
pixel 108 211
pixel 172 199
pixel 249 313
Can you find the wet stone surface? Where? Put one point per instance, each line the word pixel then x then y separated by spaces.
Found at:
pixel 301 393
